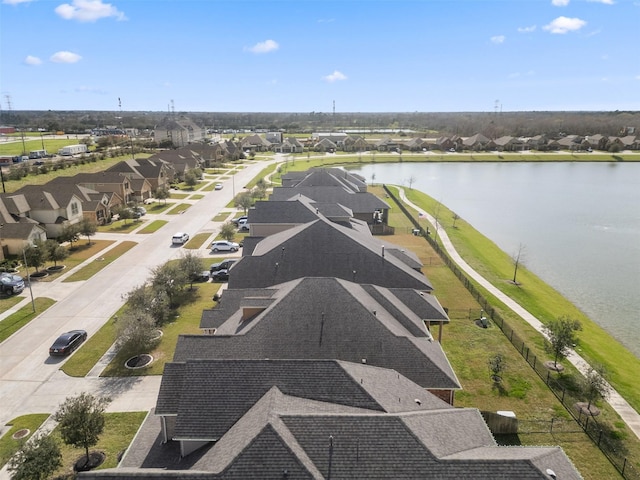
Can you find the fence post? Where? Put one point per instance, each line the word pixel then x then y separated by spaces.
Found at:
pixel 563 392
pixel 599 438
pixel 534 362
pixel 551 429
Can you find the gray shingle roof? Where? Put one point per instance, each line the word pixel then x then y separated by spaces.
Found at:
pixel 326 249
pixel 326 318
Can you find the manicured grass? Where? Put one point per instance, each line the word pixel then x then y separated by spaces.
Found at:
pixel 197 196
pixel 197 241
pixel 158 207
pixel 179 208
pixel 595 344
pixel 119 430
pixel 121 226
pixel 94 267
pixel 153 226
pixel 19 319
pixel 83 359
pixel 8 445
pixel 178 196
pixel 186 322
pixel 221 217
pixel 468 348
pixel 7 302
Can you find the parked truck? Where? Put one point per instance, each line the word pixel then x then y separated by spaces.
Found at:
pixel 72 150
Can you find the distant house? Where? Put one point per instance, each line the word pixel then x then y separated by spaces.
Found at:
pixel 106 182
pixel 156 171
pixel 477 142
pixel 255 143
pixel 179 130
pixel 355 143
pixel 325 145
pixel 290 145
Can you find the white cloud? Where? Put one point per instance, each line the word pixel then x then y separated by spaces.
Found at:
pixel 85 89
pixel 606 2
pixel 65 57
pixel 530 29
pixel 334 77
pixel 498 39
pixel 264 47
pixel 31 60
pixel 637 77
pixel 563 25
pixel 15 2
pixel 88 11
pixel 559 3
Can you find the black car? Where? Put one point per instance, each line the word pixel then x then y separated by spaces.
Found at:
pixel 220 276
pixel 67 342
pixel 224 265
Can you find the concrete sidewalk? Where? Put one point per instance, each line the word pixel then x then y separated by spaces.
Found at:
pixel 619 404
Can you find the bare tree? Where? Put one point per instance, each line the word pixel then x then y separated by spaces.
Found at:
pixel 412 179
pixel 497 365
pixel 456 217
pixel 518 259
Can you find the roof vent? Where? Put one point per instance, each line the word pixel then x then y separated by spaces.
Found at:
pixel 382 251
pixel 364 361
pixel 418 401
pixel 551 473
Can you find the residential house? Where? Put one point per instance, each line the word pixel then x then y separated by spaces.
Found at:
pixel 290 145
pixel 54 208
pixel 157 172
pixel 116 186
pixel 355 143
pixel 326 249
pixel 325 145
pixel 329 318
pixel 255 143
pixel 181 161
pixel 537 142
pixel 267 419
pixel 595 142
pixel 444 144
pixel 17 229
pixel 477 142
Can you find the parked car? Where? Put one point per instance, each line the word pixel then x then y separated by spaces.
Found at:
pixel 236 221
pixel 11 284
pixel 203 276
pixel 224 265
pixel 218 186
pixel 67 342
pixel 180 238
pixel 243 225
pixel 220 275
pixel 224 246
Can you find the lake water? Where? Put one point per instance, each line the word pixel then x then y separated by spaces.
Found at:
pixel 579 224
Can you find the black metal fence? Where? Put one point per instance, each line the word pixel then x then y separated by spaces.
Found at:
pixel 605 438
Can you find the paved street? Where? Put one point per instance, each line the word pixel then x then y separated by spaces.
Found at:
pixel 30 380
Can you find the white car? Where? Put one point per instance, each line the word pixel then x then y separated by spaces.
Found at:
pixel 180 238
pixel 224 246
pixel 218 186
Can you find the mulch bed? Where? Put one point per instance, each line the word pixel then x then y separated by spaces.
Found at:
pixel 139 361
pixel 96 458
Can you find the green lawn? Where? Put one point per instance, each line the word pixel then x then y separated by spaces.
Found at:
pixel 119 430
pixel 23 316
pixel 153 227
pixel 179 208
pixel 98 264
pixel 8 445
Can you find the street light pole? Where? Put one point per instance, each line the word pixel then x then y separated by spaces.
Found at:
pixel 24 256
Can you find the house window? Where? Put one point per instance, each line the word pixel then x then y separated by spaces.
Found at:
pixel 74 208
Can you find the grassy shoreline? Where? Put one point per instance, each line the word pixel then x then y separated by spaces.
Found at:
pixel 595 344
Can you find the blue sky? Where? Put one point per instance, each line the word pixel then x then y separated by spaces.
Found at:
pixel 304 55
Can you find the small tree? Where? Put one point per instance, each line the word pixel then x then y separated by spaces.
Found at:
pixel 228 231
pixel 69 234
pixel 35 255
pixel 155 303
pixel 594 385
pixel 36 459
pixel 81 420
pixel 55 251
pixel 259 191
pixel 136 332
pixel 243 200
pixel 124 213
pixel 497 365
pixel 192 265
pixel 190 179
pixel 88 229
pixel 562 336
pixel 170 280
pixel 162 194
